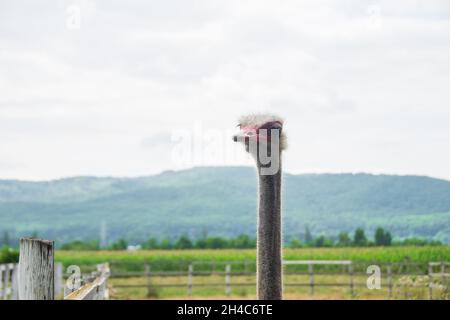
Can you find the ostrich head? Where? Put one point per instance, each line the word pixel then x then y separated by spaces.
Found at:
pixel 261 129
pixel 262 136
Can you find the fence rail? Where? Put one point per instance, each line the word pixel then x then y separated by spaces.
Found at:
pixel 95 286
pixel 435 279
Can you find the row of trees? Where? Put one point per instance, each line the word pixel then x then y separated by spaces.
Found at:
pixel 358 239
pixel 183 242
pixel 242 241
pixel 381 237
pixel 344 239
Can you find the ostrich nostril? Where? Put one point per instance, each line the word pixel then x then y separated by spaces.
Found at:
pixel 235 138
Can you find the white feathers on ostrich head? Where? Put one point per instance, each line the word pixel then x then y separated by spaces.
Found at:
pixel 251 124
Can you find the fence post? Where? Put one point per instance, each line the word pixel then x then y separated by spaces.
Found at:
pixel 444 278
pixel 149 278
pixel 350 272
pixel 430 281
pixel 36 270
pixel 191 268
pixel 389 272
pixel 2 292
pixel 58 279
pixel 311 278
pixel 103 270
pixel 228 279
pixel 15 283
pixel 6 291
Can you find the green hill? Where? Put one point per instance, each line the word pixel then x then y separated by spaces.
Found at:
pixel 222 200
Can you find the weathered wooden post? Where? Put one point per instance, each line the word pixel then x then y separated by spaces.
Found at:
pixel 245 266
pixel 15 282
pixel 2 292
pixel 148 275
pixel 389 272
pixel 311 279
pixel 190 274
pixel 58 279
pixel 228 279
pixel 350 272
pixel 6 290
pixel 36 269
pixel 430 281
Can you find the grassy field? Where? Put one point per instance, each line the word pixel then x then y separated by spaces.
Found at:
pixel 175 287
pixel 366 255
pixel 163 288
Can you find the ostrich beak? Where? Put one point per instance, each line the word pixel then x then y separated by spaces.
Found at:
pixel 238 137
pixel 243 138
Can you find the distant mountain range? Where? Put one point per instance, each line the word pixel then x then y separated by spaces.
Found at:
pixel 222 201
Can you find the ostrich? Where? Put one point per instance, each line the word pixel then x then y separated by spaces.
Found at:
pixel 263 137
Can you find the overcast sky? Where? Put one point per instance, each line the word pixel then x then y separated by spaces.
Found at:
pixel 364 86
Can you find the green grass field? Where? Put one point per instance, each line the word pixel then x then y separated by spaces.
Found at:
pixel 370 254
pixel 164 288
pixel 175 287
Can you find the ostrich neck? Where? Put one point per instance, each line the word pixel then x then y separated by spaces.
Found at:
pixel 269 264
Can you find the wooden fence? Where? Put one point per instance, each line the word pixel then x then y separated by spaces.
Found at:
pixel 8 281
pixel 441 276
pixel 433 279
pixel 36 277
pixel 93 286
pixel 9 286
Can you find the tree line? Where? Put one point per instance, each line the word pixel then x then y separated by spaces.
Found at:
pixel 381 237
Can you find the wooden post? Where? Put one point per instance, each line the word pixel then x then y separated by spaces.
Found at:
pixel 15 282
pixel 430 281
pixel 311 278
pixel 191 269
pixel 149 278
pixel 2 292
pixel 6 291
pixel 444 279
pixel 103 273
pixel 228 279
pixel 4 281
pixel 58 279
pixel 389 272
pixel 36 270
pixel 350 272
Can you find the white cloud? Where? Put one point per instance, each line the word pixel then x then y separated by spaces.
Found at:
pixel 363 85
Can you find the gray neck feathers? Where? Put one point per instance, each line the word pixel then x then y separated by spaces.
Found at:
pixel 269 259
